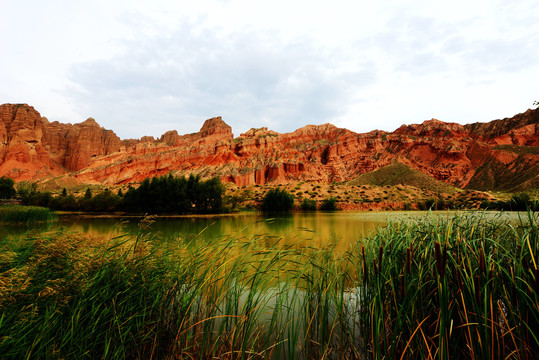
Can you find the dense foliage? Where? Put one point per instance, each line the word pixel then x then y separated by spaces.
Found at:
pixel 462 288
pixel 308 205
pixel 7 188
pixel 278 200
pixel 329 204
pixel 179 195
pixel 166 194
pixel 518 202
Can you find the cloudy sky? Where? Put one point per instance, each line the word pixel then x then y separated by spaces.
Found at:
pixel 142 68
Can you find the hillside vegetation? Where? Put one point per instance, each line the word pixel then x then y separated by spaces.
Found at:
pixel 400 174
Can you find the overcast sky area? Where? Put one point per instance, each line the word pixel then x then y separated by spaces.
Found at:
pixel 142 68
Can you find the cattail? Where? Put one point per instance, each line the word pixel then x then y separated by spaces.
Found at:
pixel 525 264
pixel 364 264
pixel 438 253
pixel 459 279
pixel 514 297
pixel 380 254
pixel 408 261
pixel 482 266
pixel 403 288
pixel 477 290
pixel 444 261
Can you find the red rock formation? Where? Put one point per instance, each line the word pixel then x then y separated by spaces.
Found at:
pixel 22 154
pixel 76 146
pixel 32 147
pixel 481 155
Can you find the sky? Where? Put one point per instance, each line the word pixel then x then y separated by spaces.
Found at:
pixel 145 67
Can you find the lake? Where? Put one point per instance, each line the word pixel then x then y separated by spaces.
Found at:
pixel 317 229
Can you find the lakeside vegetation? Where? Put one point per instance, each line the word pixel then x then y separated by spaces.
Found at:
pixel 460 287
pixel 192 195
pixel 398 173
pixel 179 195
pixel 17 214
pixel 158 195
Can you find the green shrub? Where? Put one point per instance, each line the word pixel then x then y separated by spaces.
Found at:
pixel 520 202
pixel 7 188
pixel 308 205
pixel 277 200
pixel 329 204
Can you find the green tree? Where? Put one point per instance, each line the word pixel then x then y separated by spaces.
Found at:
pixel 179 195
pixel 7 188
pixel 64 192
pixel 308 205
pixel 520 202
pixel 329 204
pixel 27 191
pixel 277 200
pixel 88 194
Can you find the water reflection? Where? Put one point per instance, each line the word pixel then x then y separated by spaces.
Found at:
pixel 318 230
pixel 294 230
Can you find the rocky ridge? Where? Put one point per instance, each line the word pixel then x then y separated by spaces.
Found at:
pixel 501 154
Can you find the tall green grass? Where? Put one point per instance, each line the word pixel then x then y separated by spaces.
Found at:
pixel 456 288
pixel 463 288
pixel 19 214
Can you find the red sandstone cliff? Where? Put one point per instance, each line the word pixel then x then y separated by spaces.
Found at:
pixel 31 147
pixel 502 154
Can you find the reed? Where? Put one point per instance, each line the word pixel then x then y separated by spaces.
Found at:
pixel 466 290
pixel 455 288
pixel 68 296
pixel 19 214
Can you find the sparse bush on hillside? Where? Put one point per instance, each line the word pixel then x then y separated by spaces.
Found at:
pixel 277 200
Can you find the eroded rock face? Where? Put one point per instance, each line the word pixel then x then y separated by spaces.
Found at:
pixel 76 146
pixel 31 147
pixel 22 153
pixel 481 155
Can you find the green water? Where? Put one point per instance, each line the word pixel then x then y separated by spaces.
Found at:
pixel 302 229
pixel 305 229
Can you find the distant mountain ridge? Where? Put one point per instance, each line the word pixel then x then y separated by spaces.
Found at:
pixel 498 155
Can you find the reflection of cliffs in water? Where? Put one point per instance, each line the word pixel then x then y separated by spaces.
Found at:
pixel 293 230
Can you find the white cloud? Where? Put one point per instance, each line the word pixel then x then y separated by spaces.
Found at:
pixel 143 67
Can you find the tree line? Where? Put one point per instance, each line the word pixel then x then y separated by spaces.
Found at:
pixel 159 195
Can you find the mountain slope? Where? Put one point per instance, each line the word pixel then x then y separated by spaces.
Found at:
pixel 398 173
pixel 501 154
